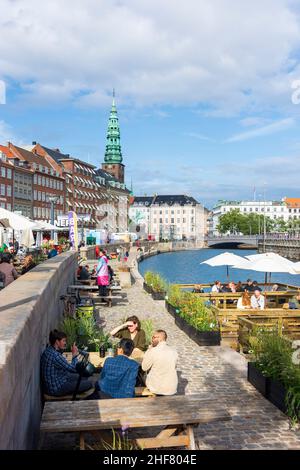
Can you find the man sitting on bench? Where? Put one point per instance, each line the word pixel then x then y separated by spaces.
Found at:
pixel 160 362
pixel 118 376
pixel 59 378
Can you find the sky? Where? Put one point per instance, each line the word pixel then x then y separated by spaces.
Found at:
pixel 207 92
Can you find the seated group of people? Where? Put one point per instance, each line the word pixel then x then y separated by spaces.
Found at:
pixel 120 374
pixel 255 301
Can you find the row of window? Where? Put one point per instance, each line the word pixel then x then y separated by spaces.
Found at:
pixel 5 190
pixel 173 212
pixel 6 172
pixel 48 182
pixel 45 212
pixel 5 205
pixel 41 196
pixel 172 221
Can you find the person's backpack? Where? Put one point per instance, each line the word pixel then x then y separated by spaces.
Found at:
pixel 2 280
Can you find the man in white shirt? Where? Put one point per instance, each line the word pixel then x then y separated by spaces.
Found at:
pixel 257 300
pixel 160 362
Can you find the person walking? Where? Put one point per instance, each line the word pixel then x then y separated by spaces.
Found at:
pixel 102 275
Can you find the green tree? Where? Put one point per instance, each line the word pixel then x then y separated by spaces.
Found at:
pixel 233 222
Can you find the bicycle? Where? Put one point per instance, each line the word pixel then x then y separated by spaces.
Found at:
pixel 70 302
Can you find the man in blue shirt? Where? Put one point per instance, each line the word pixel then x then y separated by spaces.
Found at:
pixel 118 376
pixel 59 377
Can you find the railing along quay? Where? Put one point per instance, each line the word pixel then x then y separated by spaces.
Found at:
pixel 289 247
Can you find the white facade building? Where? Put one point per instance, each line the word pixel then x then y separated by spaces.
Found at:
pixel 175 217
pixel 273 209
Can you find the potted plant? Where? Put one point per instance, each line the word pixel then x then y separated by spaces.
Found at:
pixel 148 279
pixel 272 356
pixel 159 287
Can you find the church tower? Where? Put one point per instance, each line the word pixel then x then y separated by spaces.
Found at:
pixel 113 154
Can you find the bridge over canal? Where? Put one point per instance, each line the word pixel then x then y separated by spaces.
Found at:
pixel 233 241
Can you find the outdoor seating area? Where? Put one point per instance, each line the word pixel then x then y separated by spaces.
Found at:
pixel 177 415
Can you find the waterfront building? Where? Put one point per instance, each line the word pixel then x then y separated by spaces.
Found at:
pixel 46 182
pixel 172 217
pixel 6 181
pixel 285 209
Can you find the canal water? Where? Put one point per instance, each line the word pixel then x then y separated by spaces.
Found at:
pixel 184 267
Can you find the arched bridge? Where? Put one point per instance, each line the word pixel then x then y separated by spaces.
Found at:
pixel 231 241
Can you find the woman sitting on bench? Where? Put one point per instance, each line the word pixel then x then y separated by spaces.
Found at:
pixel 131 329
pixel 58 376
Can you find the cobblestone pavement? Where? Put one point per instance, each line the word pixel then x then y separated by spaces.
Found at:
pixel 255 424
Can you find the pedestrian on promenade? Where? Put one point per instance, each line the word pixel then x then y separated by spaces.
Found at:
pixel 160 363
pixel 102 275
pixel 59 377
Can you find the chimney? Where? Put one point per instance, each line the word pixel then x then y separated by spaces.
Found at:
pixel 34 142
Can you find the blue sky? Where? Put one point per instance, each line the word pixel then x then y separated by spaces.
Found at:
pixel 203 89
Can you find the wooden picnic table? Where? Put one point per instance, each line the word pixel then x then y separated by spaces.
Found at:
pixel 98 361
pixel 176 414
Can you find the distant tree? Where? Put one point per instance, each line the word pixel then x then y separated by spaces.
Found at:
pixel 232 222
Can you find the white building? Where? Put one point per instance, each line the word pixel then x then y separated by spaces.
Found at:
pixel 175 217
pixel 273 209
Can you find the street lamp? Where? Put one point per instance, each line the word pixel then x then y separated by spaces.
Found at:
pixel 53 200
pixel 264 242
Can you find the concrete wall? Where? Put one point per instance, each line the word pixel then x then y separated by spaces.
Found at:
pixel 29 308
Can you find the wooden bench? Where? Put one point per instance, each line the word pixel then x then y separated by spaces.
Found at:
pixel 79 396
pixel 176 414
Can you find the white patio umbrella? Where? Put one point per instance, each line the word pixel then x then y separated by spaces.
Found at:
pixel 224 259
pixel 266 265
pixel 271 255
pixel 15 221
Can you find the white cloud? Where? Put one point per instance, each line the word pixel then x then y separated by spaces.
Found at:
pixel 262 131
pixel 154 52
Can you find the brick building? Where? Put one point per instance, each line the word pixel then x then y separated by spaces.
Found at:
pixel 47 181
pixel 6 181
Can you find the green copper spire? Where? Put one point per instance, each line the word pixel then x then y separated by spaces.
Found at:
pixel 113 152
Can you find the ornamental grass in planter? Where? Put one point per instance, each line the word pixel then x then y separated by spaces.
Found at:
pixel 155 285
pixel 272 355
pixel 194 317
pixel 83 331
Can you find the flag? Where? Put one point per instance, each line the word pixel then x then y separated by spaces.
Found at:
pixel 73 229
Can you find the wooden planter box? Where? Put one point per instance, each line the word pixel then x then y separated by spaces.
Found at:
pixel 202 338
pixel 277 394
pixel 158 295
pixel 147 288
pixel 257 379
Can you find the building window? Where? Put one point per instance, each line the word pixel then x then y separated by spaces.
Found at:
pixel 8 190
pixel 172 221
pixel 2 189
pixel 8 206
pixel 8 171
pixel 3 173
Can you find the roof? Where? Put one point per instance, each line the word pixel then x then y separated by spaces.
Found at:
pixel 6 151
pixel 143 200
pixel 181 200
pixel 30 156
pixel 107 176
pixel 292 201
pixel 55 153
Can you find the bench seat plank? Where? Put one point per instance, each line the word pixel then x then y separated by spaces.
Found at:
pixel 105 414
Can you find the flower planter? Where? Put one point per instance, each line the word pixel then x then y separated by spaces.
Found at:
pixel 277 394
pixel 158 295
pixel 206 338
pixel 147 288
pixel 258 380
pixel 171 309
pixel 202 338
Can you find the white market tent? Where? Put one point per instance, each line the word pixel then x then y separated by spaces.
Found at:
pixel 15 221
